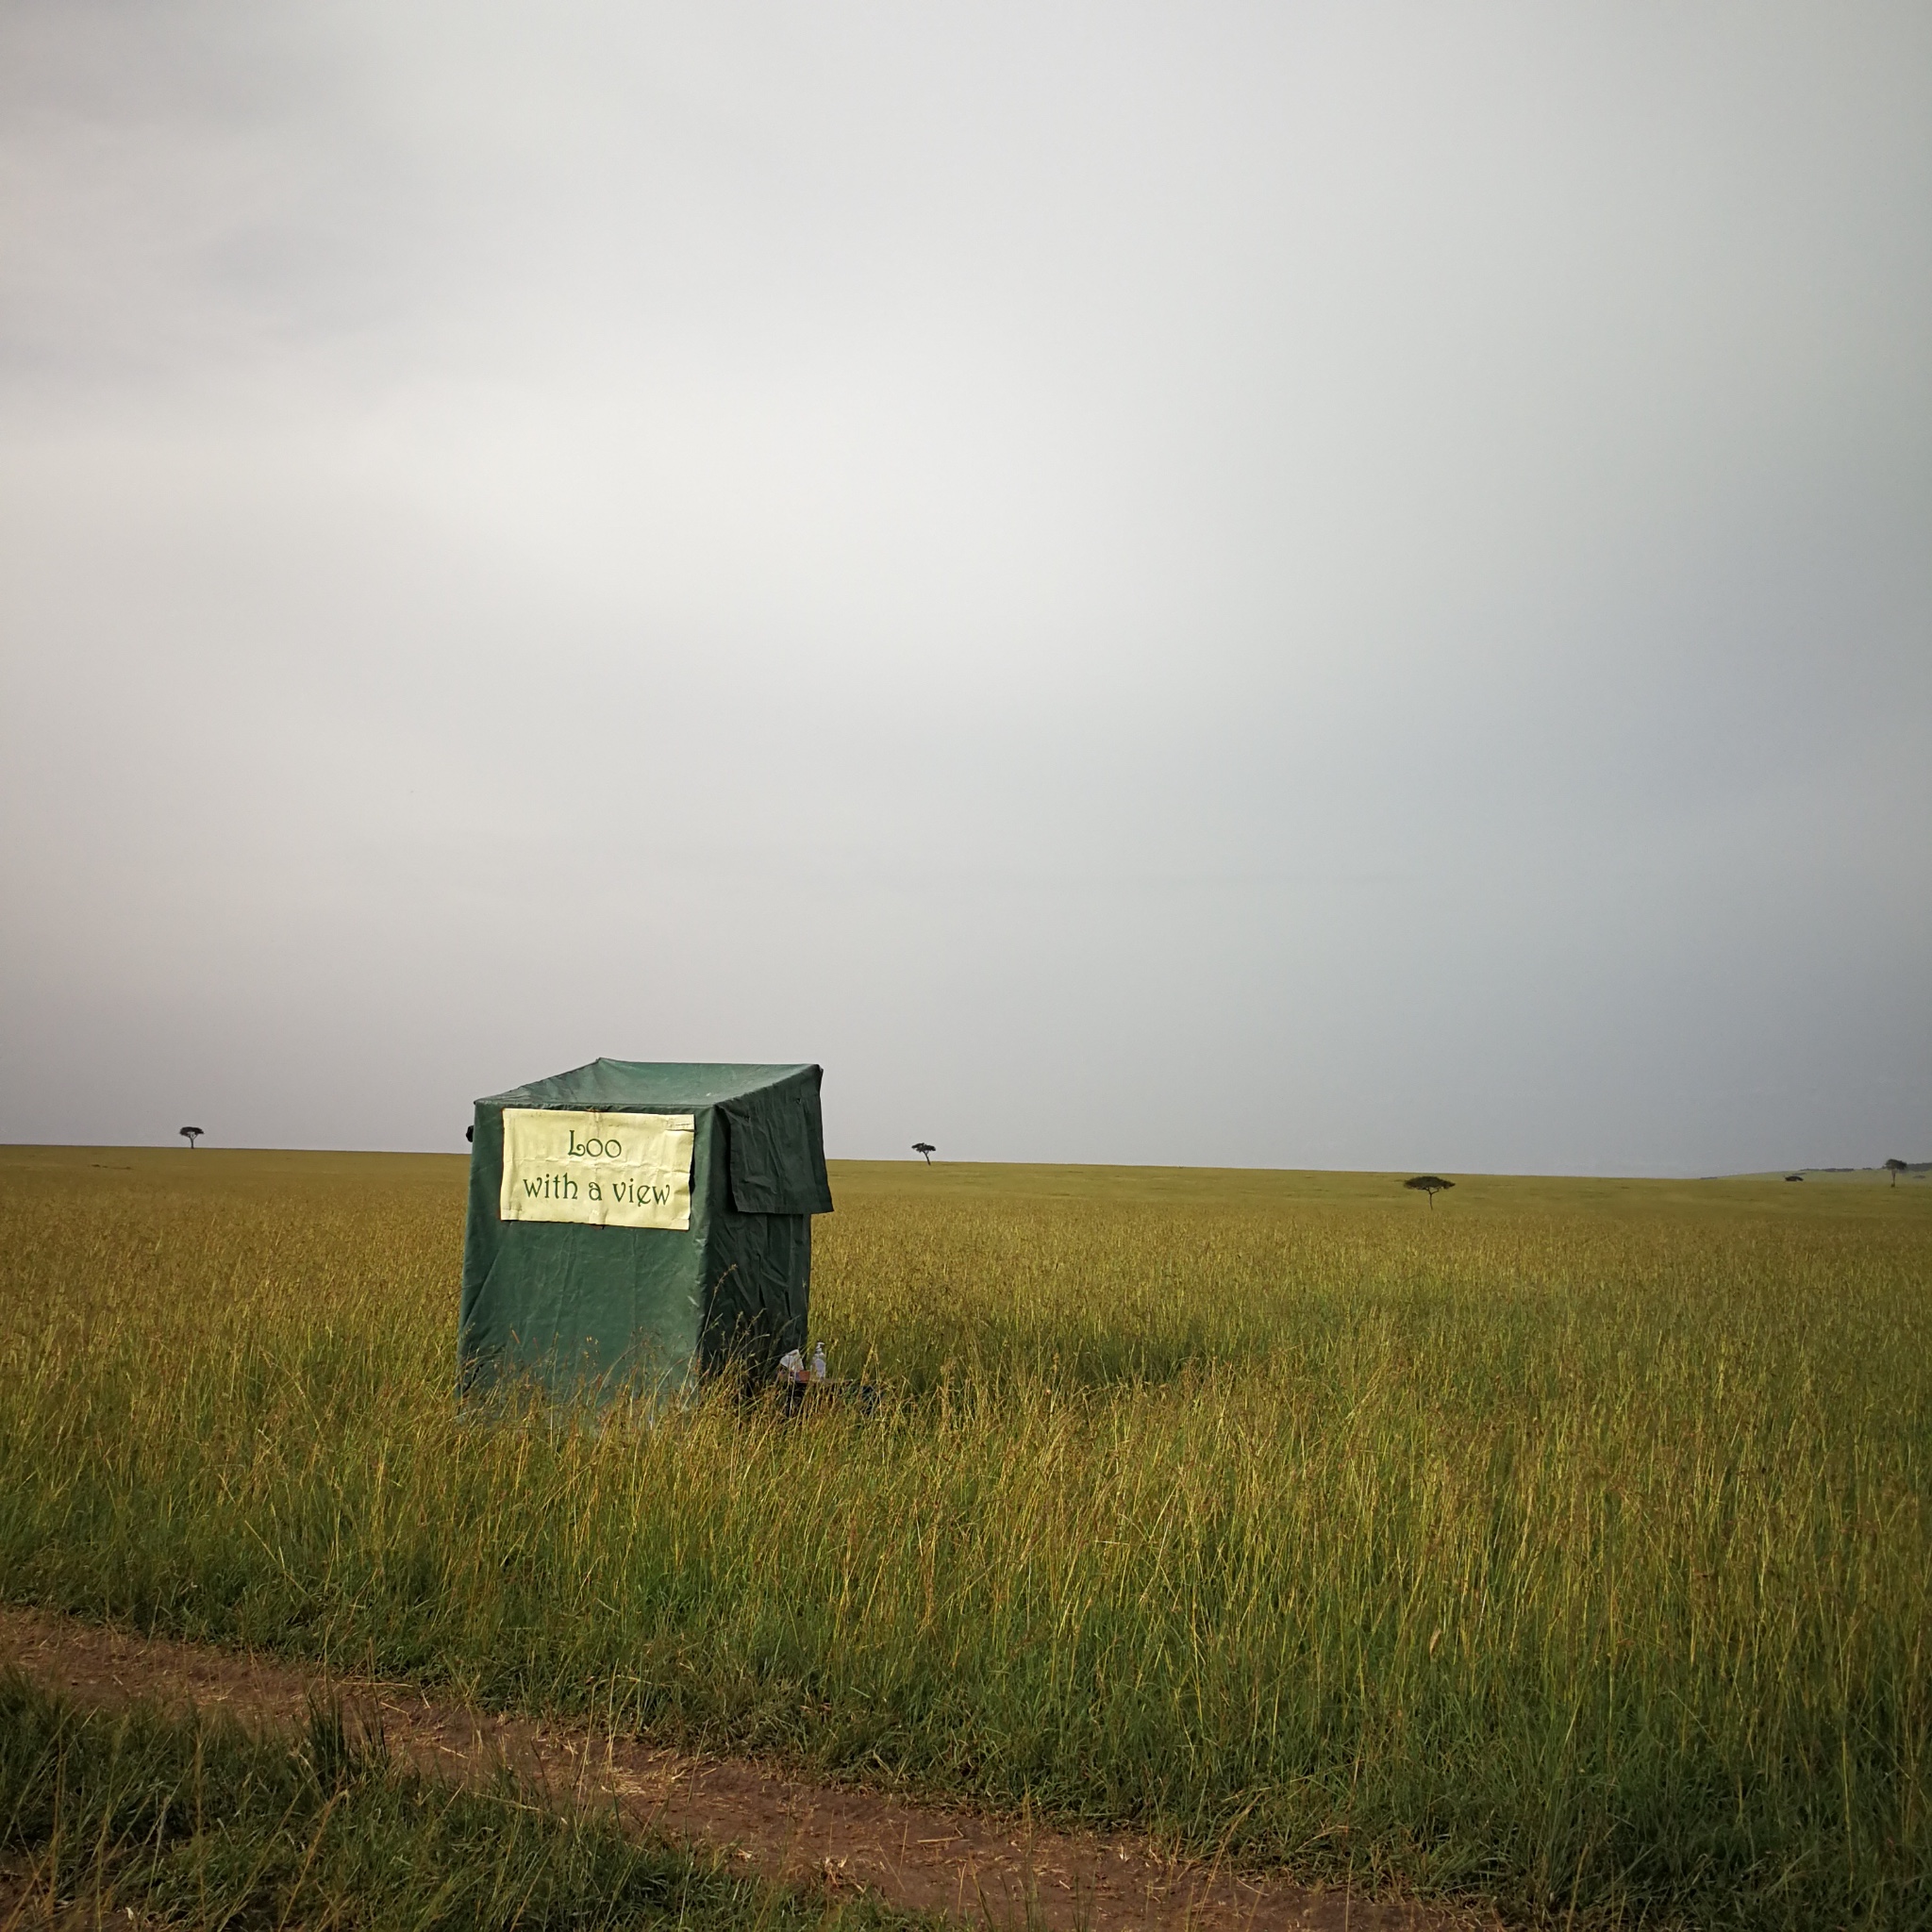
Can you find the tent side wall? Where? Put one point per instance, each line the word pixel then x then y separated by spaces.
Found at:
pixel 757 1272
pixel 581 1311
pixel 770 1180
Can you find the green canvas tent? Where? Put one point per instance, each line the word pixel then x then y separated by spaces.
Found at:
pixel 634 1225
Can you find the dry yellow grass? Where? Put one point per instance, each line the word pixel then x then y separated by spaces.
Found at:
pixel 1567 1542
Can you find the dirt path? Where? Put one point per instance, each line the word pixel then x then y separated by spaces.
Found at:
pixel 916 1855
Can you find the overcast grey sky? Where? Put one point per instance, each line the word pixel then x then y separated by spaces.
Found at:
pixel 1309 585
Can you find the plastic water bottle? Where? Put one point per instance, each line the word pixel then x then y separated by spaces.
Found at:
pixel 818 1363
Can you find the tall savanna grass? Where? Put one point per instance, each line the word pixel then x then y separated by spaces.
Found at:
pixel 1567 1548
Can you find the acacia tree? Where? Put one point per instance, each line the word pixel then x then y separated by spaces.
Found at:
pixel 1429 1184
pixel 191 1135
pixel 1894 1167
pixel 926 1148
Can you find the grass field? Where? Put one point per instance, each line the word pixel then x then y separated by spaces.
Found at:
pixel 1566 1543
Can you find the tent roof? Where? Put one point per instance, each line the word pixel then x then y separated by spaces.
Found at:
pixel 647 1084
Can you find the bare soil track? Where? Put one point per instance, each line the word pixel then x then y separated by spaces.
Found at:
pixel 795 1831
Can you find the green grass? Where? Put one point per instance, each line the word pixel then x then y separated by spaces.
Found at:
pixel 1566 1543
pixel 112 1817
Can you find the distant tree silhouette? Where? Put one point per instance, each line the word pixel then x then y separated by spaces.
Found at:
pixel 1429 1184
pixel 191 1135
pixel 926 1148
pixel 1894 1167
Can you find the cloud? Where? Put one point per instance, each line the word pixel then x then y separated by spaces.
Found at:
pixel 1364 567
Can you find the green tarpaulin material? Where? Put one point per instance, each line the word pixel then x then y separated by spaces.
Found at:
pixel 589 1310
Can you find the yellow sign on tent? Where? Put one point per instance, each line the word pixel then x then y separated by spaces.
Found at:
pixel 601 1170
